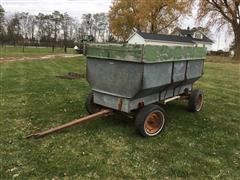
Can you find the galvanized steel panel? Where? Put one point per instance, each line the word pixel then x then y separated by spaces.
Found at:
pixel 195 69
pixel 179 71
pixel 156 75
pixel 111 101
pixel 115 77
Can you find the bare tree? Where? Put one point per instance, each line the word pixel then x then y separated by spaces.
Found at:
pixel 100 25
pixel 56 18
pixel 40 26
pixel 103 26
pixel 31 26
pixel 14 29
pixel 66 27
pixel 222 13
pixel 23 20
pixel 2 24
pixel 49 29
pixel 87 23
pixel 79 32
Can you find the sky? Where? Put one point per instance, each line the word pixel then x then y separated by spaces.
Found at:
pixel 74 7
pixel 78 7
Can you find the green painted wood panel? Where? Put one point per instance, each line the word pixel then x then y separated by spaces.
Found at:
pixel 146 54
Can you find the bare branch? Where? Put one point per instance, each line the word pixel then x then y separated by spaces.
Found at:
pixel 237 9
pixel 220 10
pixel 170 22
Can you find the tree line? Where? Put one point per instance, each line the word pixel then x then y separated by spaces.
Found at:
pixel 51 30
pixel 124 17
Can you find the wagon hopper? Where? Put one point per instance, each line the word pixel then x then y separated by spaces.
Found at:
pixel 131 77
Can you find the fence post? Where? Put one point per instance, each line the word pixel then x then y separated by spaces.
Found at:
pixel 65 48
pixel 53 49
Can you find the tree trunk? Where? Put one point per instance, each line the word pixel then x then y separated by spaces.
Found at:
pixel 53 47
pixel 153 25
pixel 65 45
pixel 237 44
pixel 65 48
pixel 237 52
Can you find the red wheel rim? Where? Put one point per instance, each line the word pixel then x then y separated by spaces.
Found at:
pixel 154 122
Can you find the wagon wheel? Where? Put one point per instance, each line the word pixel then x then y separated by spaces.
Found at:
pixel 195 102
pixel 150 120
pixel 91 107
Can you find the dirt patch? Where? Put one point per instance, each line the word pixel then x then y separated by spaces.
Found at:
pixel 45 57
pixel 72 75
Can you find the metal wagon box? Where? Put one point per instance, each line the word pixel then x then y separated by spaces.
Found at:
pixel 124 77
pixel 134 78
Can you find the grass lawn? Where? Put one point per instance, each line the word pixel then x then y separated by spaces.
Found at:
pixel 10 51
pixel 193 145
pixel 221 59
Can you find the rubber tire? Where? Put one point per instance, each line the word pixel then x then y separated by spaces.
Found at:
pixel 192 102
pixel 142 115
pixel 90 106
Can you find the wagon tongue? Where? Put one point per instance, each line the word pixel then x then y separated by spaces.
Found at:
pixel 104 112
pixel 36 136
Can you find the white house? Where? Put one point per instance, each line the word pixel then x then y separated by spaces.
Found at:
pixel 160 39
pixel 197 35
pixel 179 37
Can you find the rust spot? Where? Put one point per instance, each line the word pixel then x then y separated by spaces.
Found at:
pixel 120 104
pixel 184 97
pixel 141 105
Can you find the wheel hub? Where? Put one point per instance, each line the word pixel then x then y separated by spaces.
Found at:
pixel 153 123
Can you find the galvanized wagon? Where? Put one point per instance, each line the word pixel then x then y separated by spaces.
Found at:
pixel 135 78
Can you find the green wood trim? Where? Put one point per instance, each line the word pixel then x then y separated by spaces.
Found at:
pixel 145 54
